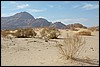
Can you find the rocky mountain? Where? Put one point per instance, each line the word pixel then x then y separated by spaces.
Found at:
pixel 22 20
pixel 23 15
pixel 75 25
pixel 58 25
pixel 40 22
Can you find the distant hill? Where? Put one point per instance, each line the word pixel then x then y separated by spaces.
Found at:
pixel 58 25
pixel 94 28
pixel 75 25
pixel 40 22
pixel 24 20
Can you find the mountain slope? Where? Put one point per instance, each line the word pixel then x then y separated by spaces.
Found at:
pixel 58 25
pixel 22 20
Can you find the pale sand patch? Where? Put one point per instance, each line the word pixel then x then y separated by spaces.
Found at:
pixel 37 52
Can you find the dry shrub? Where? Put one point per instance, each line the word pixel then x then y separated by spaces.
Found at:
pixel 93 29
pixel 72 45
pixel 84 32
pixel 4 33
pixel 67 29
pixel 50 33
pixel 74 29
pixel 25 33
pixel 97 29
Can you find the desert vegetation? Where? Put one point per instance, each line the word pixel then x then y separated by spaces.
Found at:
pixel 19 33
pixel 5 33
pixel 74 29
pixel 50 33
pixel 84 32
pixel 61 48
pixel 25 33
pixel 71 46
pixel 93 29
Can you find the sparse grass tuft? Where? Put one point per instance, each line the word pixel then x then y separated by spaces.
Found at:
pixel 71 46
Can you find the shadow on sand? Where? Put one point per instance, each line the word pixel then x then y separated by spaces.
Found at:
pixel 89 61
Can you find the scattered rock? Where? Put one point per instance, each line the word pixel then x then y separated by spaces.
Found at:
pixel 92 49
pixel 46 40
pixel 39 50
pixel 35 41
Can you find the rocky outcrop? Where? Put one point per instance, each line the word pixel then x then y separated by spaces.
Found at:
pixel 75 25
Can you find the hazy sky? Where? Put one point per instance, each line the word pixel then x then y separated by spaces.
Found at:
pixel 85 12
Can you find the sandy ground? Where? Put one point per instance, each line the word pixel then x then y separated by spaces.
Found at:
pixel 37 52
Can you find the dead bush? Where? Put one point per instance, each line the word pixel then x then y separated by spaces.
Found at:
pixel 4 33
pixel 97 29
pixel 84 32
pixel 92 29
pixel 50 33
pixel 74 29
pixel 25 33
pixel 72 45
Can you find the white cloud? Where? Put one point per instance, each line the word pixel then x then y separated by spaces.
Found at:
pixel 97 16
pixel 87 6
pixel 13 2
pixel 76 6
pixel 60 6
pixel 7 14
pixel 3 15
pixel 90 6
pixel 3 7
pixel 40 17
pixel 76 20
pixel 51 6
pixel 66 1
pixel 22 6
pixel 36 10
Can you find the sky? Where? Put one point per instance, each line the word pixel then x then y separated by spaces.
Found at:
pixel 67 12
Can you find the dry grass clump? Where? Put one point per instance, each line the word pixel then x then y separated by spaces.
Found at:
pixel 93 29
pixel 84 32
pixel 72 45
pixel 74 29
pixel 97 29
pixel 4 33
pixel 25 33
pixel 50 33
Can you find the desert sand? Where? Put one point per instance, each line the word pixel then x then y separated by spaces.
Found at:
pixel 37 52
